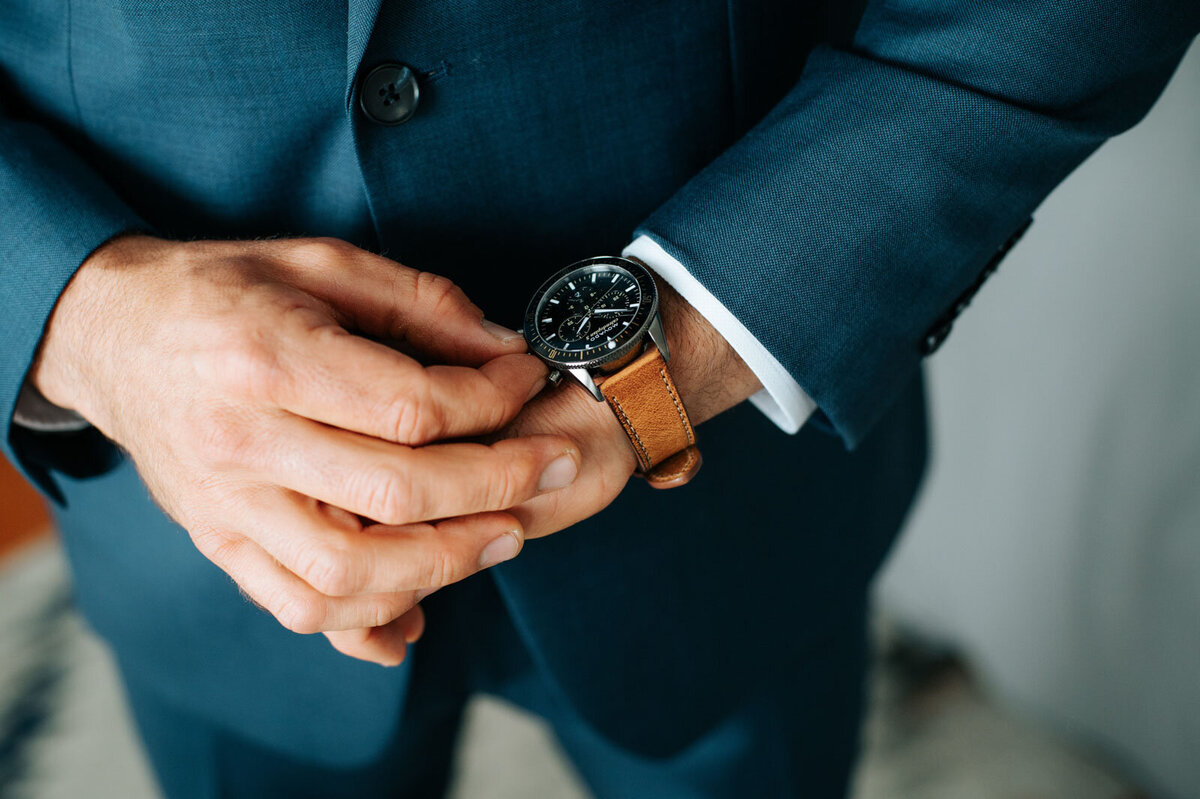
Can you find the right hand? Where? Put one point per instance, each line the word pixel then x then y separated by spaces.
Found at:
pixel 269 430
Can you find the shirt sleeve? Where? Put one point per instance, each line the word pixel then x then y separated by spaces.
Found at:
pixel 781 398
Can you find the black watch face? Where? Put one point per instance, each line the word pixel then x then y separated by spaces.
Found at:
pixel 591 312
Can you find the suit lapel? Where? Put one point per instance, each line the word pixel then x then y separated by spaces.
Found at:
pixel 361 15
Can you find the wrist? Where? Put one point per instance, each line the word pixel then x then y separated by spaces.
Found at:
pixel 611 326
pixel 709 374
pixel 80 321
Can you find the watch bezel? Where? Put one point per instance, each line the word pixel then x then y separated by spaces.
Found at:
pixel 629 338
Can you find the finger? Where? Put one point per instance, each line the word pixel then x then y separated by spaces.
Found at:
pixel 294 603
pixel 330 375
pixel 392 301
pixel 339 558
pixel 385 645
pixel 395 484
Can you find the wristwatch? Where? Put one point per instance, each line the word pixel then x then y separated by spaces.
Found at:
pixel 596 323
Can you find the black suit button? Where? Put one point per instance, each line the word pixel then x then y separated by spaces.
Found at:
pixel 388 94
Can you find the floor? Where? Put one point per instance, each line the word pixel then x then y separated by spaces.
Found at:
pixel 932 734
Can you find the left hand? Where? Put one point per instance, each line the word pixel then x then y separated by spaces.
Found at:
pixel 606 458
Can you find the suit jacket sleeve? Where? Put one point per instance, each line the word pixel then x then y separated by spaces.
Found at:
pixel 54 211
pixel 857 213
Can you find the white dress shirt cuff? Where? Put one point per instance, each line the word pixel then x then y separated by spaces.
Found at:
pixel 781 398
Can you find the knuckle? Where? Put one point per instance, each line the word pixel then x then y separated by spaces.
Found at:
pixel 327 569
pixel 300 614
pixel 246 365
pixel 439 293
pixel 514 480
pixel 506 485
pixel 379 612
pixel 413 418
pixel 389 496
pixel 319 251
pixel 404 419
pixel 441 568
pixel 219 548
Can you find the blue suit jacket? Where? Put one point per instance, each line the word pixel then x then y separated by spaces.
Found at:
pixel 839 181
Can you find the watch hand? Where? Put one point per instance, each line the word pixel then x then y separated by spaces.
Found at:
pixel 611 310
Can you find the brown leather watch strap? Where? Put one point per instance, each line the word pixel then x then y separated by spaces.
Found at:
pixel 645 401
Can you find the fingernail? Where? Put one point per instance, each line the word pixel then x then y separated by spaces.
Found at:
pixel 424 592
pixel 505 335
pixel 501 549
pixel 559 474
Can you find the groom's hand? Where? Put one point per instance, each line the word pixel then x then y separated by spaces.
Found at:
pixel 234 375
pixel 710 378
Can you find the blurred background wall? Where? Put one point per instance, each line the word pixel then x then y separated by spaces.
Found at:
pixel 1057 542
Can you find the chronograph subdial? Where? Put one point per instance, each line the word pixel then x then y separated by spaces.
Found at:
pixel 575 328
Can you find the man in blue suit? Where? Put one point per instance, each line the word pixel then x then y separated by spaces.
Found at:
pixel 212 218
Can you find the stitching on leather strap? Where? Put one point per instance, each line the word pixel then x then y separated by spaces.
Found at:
pixel 687 428
pixel 631 430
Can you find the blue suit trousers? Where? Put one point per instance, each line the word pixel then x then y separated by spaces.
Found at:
pixel 792 738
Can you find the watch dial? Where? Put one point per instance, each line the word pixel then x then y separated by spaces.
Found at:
pixel 588 314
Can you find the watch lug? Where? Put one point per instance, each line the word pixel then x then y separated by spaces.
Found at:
pixel 584 378
pixel 659 338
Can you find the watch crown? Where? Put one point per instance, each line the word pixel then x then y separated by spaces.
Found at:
pixel 554 378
